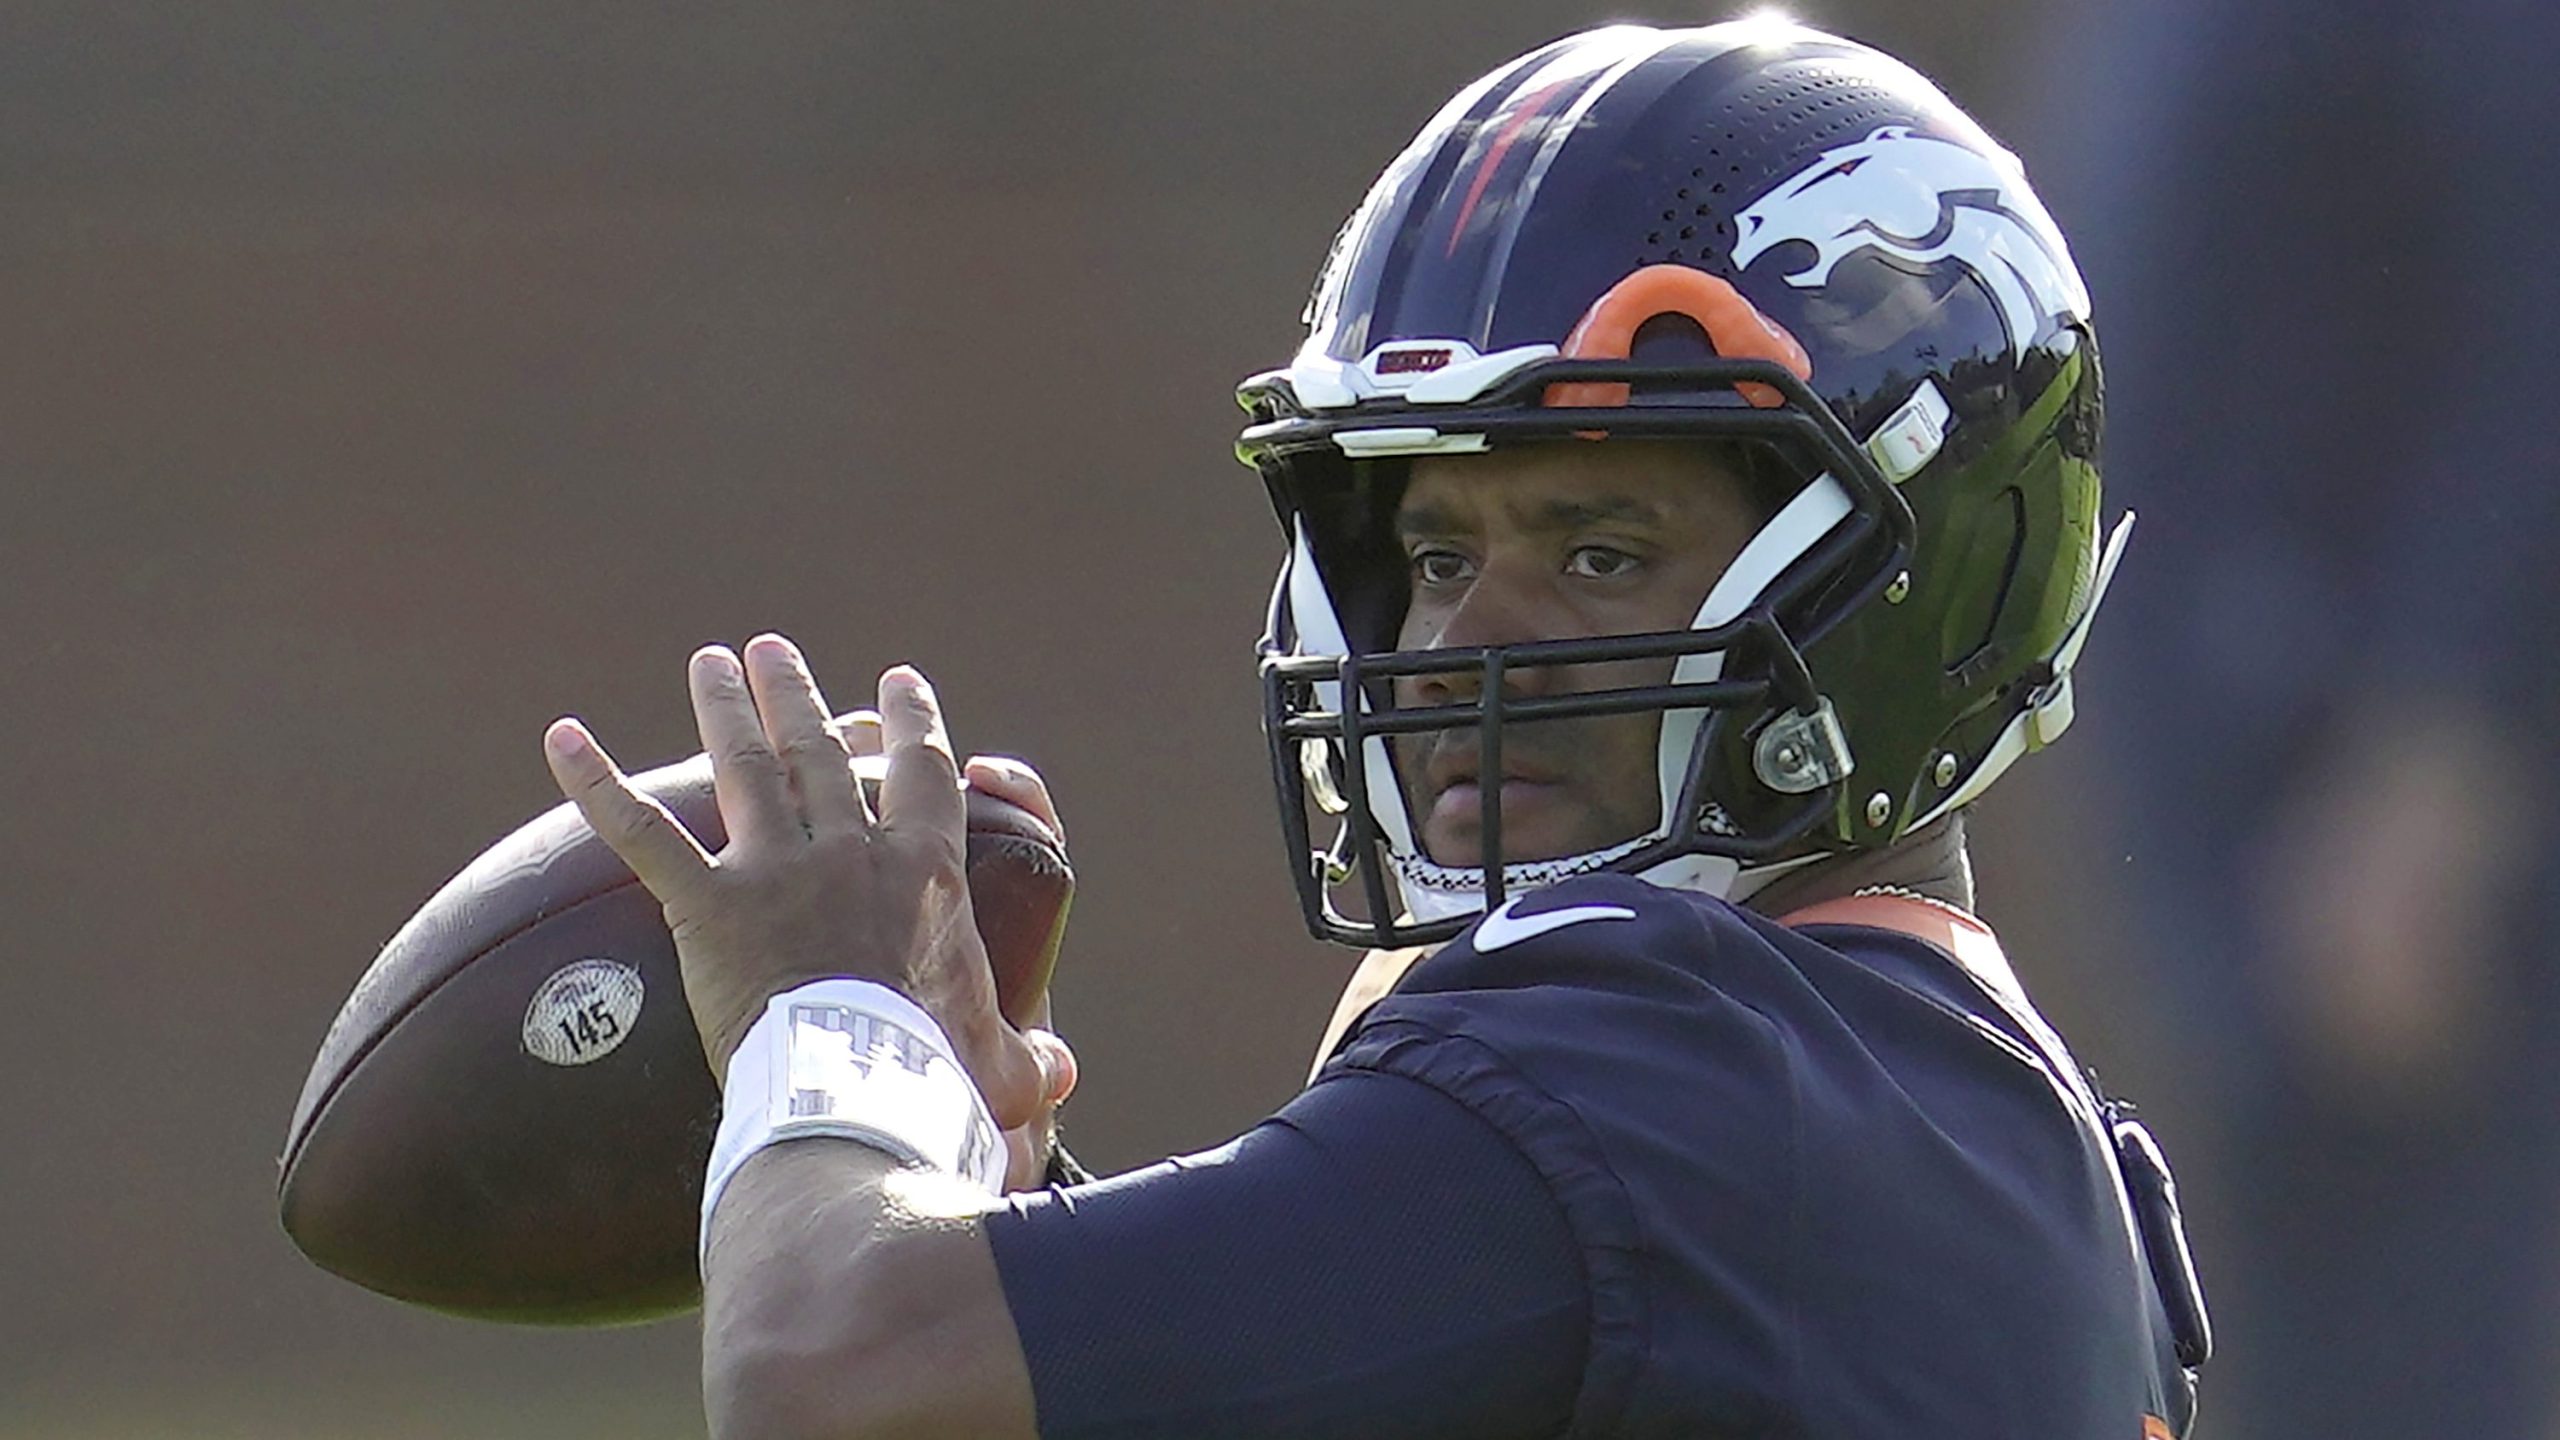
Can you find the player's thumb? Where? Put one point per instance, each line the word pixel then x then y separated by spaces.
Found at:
pixel 1015 1073
pixel 1057 1066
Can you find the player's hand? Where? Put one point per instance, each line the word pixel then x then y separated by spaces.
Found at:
pixel 813 882
pixel 1027 1146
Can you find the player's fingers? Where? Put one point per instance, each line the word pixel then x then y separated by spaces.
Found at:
pixel 754 792
pixel 652 842
pixel 860 731
pixel 922 788
pixel 1028 1145
pixel 1009 779
pixel 795 721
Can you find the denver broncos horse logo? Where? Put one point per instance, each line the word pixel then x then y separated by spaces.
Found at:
pixel 1925 200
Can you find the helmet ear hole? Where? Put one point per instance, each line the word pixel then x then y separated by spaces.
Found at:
pixel 1349 511
pixel 1999 537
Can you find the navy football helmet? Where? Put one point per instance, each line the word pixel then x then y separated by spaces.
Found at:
pixel 1753 233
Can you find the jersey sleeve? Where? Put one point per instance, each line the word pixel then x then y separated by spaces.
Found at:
pixel 1373 1260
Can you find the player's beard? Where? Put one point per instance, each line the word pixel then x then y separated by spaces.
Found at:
pixel 1571 787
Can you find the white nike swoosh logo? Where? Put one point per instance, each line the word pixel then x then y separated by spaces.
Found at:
pixel 1504 927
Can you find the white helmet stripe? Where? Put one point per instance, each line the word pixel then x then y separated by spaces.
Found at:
pixel 1319 632
pixel 1798 526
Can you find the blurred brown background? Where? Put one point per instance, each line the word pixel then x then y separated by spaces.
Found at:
pixel 381 381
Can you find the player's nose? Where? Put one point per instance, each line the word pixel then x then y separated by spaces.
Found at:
pixel 1500 608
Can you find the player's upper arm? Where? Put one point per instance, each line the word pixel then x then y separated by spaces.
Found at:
pixel 1375 1260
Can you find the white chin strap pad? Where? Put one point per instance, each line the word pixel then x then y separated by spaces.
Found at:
pixel 1798 526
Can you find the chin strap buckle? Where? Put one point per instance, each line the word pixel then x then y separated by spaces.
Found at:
pixel 1799 753
pixel 2049 712
pixel 2049 709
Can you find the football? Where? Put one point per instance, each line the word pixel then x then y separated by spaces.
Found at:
pixel 510 1116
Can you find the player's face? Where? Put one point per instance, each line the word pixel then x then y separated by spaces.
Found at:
pixel 1551 542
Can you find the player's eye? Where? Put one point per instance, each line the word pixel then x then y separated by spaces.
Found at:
pixel 1441 567
pixel 1600 562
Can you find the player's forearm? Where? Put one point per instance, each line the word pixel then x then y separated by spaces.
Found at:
pixel 843 1297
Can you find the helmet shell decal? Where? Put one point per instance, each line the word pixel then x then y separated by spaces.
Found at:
pixel 1966 206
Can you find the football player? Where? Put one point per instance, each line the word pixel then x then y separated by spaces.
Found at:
pixel 1690 502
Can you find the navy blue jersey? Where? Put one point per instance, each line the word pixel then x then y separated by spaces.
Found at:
pixel 1623 1161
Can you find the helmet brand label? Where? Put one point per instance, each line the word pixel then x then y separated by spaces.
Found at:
pixel 1413 362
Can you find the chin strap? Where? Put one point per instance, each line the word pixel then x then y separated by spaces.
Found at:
pixel 1433 891
pixel 1436 892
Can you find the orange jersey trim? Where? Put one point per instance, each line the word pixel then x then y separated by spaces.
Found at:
pixel 1944 926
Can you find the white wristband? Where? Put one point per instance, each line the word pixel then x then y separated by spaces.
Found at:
pixel 859 1061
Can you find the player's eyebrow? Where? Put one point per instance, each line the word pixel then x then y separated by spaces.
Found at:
pixel 1578 513
pixel 1433 518
pixel 1426 518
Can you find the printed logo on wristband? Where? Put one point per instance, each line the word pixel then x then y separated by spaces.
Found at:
pixel 846 1062
pixel 851 1060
